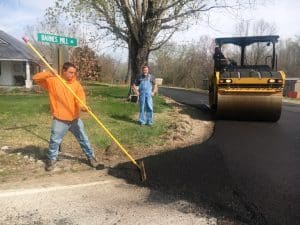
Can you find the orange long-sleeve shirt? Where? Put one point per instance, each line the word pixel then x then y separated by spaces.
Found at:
pixel 63 104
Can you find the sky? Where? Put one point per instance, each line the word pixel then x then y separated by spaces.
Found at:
pixel 283 13
pixel 15 15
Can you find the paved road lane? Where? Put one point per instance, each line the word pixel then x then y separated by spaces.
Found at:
pixel 262 158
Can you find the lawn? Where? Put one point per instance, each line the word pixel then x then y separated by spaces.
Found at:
pixel 25 118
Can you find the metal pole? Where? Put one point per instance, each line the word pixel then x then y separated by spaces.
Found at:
pixel 59 59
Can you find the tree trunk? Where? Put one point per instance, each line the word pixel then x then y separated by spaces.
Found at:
pixel 139 56
pixel 128 74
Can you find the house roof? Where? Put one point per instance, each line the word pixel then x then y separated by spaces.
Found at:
pixel 13 49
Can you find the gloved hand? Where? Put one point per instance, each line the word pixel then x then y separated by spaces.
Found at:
pixel 83 109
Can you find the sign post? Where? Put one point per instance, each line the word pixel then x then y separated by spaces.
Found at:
pixel 59 40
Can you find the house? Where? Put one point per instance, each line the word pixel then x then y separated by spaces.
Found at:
pixel 292 87
pixel 17 62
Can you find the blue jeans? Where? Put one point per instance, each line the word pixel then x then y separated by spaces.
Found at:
pixel 146 105
pixel 60 128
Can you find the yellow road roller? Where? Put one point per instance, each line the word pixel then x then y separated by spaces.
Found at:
pixel 248 89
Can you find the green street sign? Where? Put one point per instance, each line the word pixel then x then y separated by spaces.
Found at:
pixel 54 39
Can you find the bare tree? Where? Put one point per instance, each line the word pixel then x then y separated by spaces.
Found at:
pixel 50 51
pixel 144 25
pixel 90 65
pixel 255 53
pixel 260 51
pixel 289 56
pixel 164 61
pixel 187 65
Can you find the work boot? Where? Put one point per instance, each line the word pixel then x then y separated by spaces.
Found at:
pixel 92 162
pixel 50 165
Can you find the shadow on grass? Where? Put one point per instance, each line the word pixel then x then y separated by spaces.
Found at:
pixel 38 153
pixel 197 174
pixel 125 118
pixel 27 129
pixel 97 84
pixel 31 151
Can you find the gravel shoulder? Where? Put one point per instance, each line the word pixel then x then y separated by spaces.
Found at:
pixel 106 200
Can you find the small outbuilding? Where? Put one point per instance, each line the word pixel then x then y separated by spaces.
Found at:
pixel 292 87
pixel 17 62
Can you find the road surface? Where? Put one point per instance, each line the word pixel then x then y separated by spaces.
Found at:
pixel 246 173
pixel 263 159
pixel 102 200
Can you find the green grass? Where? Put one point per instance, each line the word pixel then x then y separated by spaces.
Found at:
pixel 25 118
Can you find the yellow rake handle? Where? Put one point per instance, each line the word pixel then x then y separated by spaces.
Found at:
pixel 82 103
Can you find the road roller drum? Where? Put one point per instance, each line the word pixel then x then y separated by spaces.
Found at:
pixel 247 106
pixel 246 92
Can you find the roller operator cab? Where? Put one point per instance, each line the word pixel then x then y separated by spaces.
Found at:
pixel 246 85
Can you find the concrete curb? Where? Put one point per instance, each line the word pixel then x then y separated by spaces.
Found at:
pixel 291 100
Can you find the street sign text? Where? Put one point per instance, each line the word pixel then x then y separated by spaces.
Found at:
pixel 55 39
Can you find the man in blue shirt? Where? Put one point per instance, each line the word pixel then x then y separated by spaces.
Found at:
pixel 146 90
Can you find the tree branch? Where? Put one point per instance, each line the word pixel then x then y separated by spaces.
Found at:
pixel 111 21
pixel 189 12
pixel 128 16
pixel 159 45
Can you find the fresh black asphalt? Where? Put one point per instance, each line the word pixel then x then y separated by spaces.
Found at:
pixel 247 172
pixel 262 158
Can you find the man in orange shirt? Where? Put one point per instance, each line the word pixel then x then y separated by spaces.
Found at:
pixel 65 110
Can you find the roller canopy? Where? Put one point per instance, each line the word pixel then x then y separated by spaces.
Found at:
pixel 244 41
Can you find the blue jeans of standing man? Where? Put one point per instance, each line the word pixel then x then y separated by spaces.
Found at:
pixel 146 105
pixel 58 131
